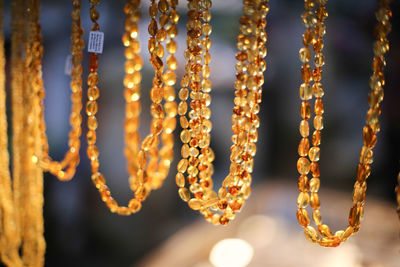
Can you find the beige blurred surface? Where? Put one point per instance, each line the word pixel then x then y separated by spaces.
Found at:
pixel 268 223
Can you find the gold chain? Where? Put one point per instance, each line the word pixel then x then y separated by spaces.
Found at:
pixel 196 166
pixel 65 169
pixel 313 36
pixel 147 166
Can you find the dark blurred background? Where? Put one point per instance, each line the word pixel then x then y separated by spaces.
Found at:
pixel 80 230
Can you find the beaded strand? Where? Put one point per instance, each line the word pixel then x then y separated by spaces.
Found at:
pixel 309 156
pixel 147 165
pixel 65 169
pixel 195 169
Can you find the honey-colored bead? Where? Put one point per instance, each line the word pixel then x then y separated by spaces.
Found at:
pixel 305 91
pixel 317 217
pixel 316 138
pixel 318 122
pixel 314 153
pixel 302 217
pixel 314 201
pixel 355 215
pixel 134 205
pixel 311 234
pixel 303 184
pixel 195 204
pixel 366 155
pixel 332 241
pixel 304 146
pixel 305 110
pixel 369 137
pixel 184 194
pixel 304 129
pixel 303 200
pixel 303 165
pixel 324 230
pixel 305 54
pixel 314 185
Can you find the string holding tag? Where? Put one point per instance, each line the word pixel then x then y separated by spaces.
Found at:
pixel 96 41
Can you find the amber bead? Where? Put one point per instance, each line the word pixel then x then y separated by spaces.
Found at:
pixel 304 146
pixel 303 200
pixel 305 110
pixel 311 234
pixel 302 217
pixel 303 165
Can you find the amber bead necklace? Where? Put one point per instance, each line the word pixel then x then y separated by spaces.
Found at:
pixel 65 169
pixel 313 19
pixel 195 169
pixel 21 198
pixel 147 166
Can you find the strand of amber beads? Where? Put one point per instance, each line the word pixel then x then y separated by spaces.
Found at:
pixel 65 169
pixel 195 169
pixel 147 165
pixel 32 223
pixel 309 156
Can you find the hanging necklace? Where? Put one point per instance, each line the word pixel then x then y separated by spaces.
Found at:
pixel 195 169
pixel 65 169
pixel 147 165
pixel 21 198
pixel 313 36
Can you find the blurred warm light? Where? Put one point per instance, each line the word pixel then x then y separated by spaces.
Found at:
pixel 348 255
pixel 231 252
pixel 259 230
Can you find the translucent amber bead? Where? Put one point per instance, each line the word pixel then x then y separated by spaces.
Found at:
pixel 366 155
pixel 195 204
pixel 316 138
pixel 306 73
pixel 98 180
pixel 314 185
pixel 319 106
pixel 184 194
pixel 317 217
pixel 324 230
pixel 363 171
pixel 305 54
pixel 304 128
pixel 304 146
pixel 311 234
pixel 134 205
pixel 314 153
pixel 303 165
pixel 314 201
pixel 302 217
pixel 305 91
pixel 182 165
pixel 317 90
pixel 91 108
pixel 332 241
pixel 303 200
pixel 318 122
pixel 355 215
pixel 303 183
pixel 305 110
pixel 369 137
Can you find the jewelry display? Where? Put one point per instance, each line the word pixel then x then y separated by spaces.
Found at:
pixel 148 166
pixel 314 20
pixel 195 169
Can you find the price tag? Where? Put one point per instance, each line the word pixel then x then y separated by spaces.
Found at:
pixel 96 40
pixel 68 65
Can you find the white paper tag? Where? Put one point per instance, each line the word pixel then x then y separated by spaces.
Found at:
pixel 68 65
pixel 96 40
